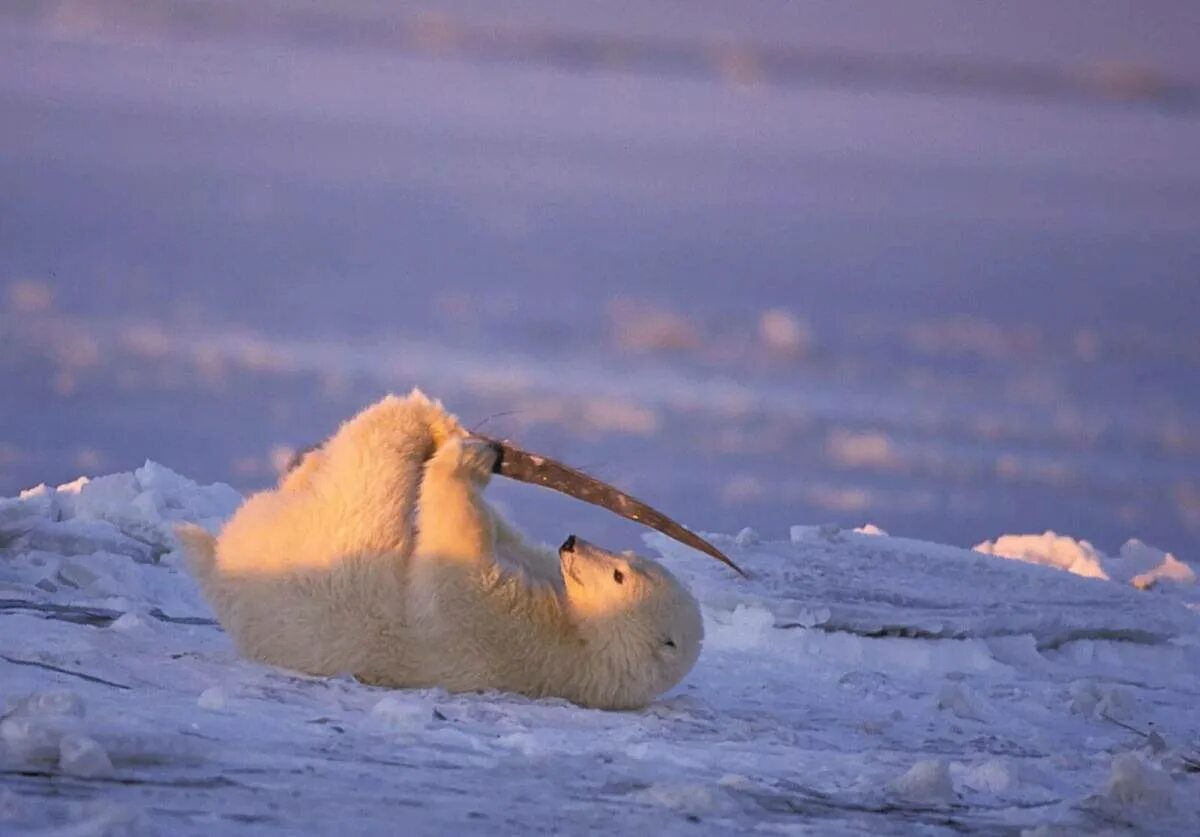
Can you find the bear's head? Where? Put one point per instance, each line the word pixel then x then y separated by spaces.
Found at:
pixel 642 627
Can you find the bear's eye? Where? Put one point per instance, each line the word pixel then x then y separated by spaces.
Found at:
pixel 618 576
pixel 670 643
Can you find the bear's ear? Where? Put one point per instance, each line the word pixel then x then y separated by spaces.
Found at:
pixel 520 465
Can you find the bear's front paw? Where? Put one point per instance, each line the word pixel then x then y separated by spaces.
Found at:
pixel 474 459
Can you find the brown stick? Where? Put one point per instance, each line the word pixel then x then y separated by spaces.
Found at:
pixel 523 466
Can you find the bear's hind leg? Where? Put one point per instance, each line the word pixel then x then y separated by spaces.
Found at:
pixel 365 485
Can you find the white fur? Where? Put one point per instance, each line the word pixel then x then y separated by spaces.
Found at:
pixel 378 556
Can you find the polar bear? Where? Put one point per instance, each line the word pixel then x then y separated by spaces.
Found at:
pixel 378 555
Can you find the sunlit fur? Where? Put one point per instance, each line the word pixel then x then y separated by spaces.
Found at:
pixel 378 556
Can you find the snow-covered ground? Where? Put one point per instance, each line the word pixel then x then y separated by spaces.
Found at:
pixel 858 683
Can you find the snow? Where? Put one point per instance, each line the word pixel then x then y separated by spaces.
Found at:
pixel 857 683
pixel 926 781
pixel 1050 550
pixel 81 756
pixel 213 698
pixel 400 714
pixel 1134 783
pixel 1137 563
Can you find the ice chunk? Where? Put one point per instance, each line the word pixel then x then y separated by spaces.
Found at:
pixel 743 628
pixel 1051 550
pixel 1138 564
pixel 747 537
pixel 54 702
pixel 1133 782
pixel 402 713
pixel 32 729
pixel 120 500
pixel 74 486
pixel 127 622
pixel 67 495
pixel 12 806
pixel 154 477
pixel 84 537
pixel 81 756
pixel 995 776
pixel 957 699
pixel 30 739
pixel 1116 702
pixel 106 495
pixel 688 798
pixel 213 699
pixel 528 744
pixel 142 507
pixel 926 781
pixel 73 574
pixel 829 531
pixel 149 506
pixel 40 493
pixel 1147 565
pixel 1084 697
pixel 18 513
pixel 1100 700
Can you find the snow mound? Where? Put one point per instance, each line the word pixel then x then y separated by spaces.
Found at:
pixel 213 699
pixel 1152 565
pixel 1139 795
pixel 1049 550
pixel 79 755
pixel 1134 783
pixel 926 781
pixel 402 712
pixel 129 514
pixel 1138 564
pixel 89 536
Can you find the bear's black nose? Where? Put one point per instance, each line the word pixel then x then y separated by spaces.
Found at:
pixel 568 545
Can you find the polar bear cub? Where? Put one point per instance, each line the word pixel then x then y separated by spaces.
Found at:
pixel 379 556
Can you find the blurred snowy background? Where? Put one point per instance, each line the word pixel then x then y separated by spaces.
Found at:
pixel 931 265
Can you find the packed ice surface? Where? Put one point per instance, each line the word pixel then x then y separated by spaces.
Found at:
pixel 856 683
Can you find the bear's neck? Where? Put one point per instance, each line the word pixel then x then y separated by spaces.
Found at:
pixel 597 666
